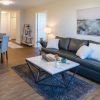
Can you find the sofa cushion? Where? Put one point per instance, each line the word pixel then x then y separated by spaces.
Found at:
pixel 49 50
pixel 88 73
pixel 68 54
pixel 64 43
pixel 87 63
pixel 90 64
pixel 75 44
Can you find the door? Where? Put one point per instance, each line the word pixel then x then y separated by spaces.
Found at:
pixel 5 23
pixel 8 23
pixel 13 29
pixel 41 19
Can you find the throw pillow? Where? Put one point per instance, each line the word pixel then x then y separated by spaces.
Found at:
pixel 96 51
pixel 53 43
pixel 84 51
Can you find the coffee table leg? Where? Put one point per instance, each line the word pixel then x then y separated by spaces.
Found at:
pixel 64 79
pixel 31 71
pixel 37 76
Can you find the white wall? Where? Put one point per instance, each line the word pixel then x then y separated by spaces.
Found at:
pixel 19 22
pixel 62 16
pixel 89 13
pixel 29 18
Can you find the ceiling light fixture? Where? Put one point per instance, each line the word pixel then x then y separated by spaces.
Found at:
pixel 6 2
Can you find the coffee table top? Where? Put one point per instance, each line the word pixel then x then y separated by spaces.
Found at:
pixel 51 67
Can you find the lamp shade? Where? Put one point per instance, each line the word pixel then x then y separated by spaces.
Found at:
pixel 47 30
pixel 51 36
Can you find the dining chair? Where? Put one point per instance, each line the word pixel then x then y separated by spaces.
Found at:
pixel 4 47
pixel 1 36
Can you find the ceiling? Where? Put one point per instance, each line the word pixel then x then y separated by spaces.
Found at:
pixel 26 3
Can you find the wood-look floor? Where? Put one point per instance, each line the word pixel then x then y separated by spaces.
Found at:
pixel 12 87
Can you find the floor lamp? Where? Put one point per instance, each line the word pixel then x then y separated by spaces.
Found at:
pixel 48 33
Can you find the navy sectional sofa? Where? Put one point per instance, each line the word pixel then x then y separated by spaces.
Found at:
pixel 68 47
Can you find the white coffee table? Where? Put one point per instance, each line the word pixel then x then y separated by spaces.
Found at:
pixel 40 65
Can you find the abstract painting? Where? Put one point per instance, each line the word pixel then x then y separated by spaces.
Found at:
pixel 88 27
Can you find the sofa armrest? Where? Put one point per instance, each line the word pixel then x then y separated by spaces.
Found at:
pixel 43 43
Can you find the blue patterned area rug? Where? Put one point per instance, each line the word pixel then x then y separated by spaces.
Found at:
pixel 77 88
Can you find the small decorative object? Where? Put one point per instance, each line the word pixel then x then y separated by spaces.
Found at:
pixel 57 64
pixel 57 57
pixel 48 57
pixel 63 60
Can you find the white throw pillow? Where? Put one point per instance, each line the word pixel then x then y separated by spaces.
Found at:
pixel 84 51
pixel 53 43
pixel 96 51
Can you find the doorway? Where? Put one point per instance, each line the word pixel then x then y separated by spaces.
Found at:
pixel 41 22
pixel 8 23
